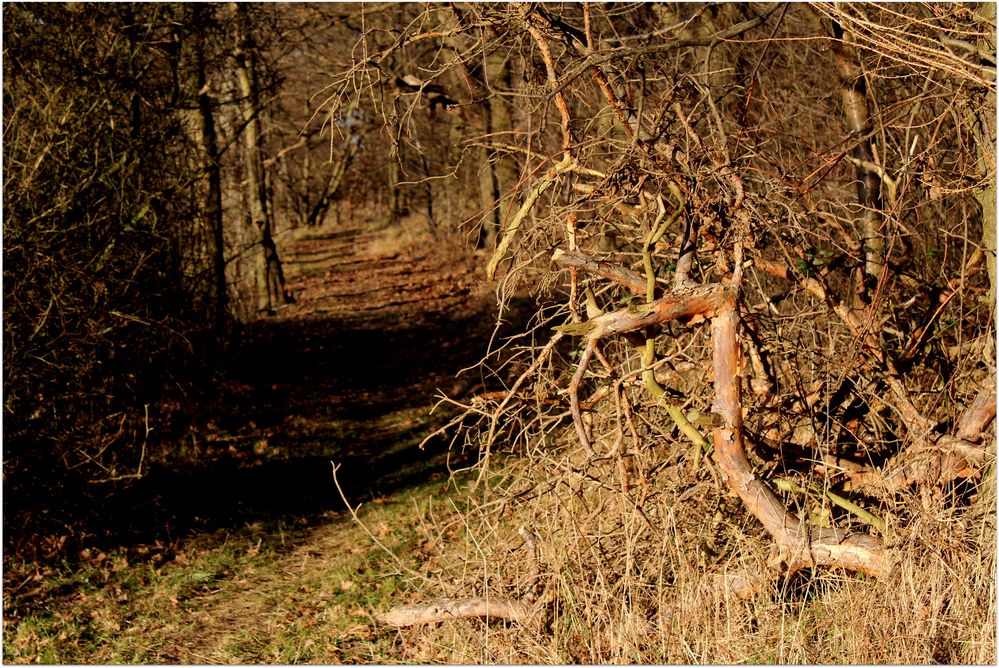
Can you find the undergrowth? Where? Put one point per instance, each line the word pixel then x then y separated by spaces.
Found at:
pixel 656 575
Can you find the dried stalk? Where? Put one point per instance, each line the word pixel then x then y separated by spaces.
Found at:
pixel 577 418
pixel 512 227
pixel 494 419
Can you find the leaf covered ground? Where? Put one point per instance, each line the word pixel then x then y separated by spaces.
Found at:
pixel 235 546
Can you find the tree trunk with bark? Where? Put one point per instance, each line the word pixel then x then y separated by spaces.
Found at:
pixel 857 115
pixel 270 274
pixel 208 145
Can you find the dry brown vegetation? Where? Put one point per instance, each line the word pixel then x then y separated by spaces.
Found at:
pixel 750 417
pixel 773 441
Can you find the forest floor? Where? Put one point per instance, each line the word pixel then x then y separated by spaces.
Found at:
pixel 236 546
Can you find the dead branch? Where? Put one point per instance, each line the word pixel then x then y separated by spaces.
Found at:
pixel 800 544
pixel 546 56
pixel 979 414
pixel 444 609
pixel 700 301
pixel 571 40
pixel 577 418
pixel 608 55
pixel 623 277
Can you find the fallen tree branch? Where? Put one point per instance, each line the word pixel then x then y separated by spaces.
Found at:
pixel 702 301
pixel 444 609
pixel 523 611
pixel 800 544
pixel 619 275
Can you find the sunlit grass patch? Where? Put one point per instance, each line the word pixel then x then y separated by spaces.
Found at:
pixel 272 593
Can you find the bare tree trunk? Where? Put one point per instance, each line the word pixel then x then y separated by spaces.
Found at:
pixel 199 123
pixel 857 114
pixel 208 146
pixel 502 169
pixel 986 140
pixel 272 276
pixel 479 115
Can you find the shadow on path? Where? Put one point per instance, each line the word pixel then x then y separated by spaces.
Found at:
pixel 333 378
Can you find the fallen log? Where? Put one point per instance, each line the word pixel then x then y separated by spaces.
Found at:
pixel 443 609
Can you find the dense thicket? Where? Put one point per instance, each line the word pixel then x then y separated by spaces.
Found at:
pixel 835 163
pixel 841 154
pixel 101 311
pixel 154 156
pixel 817 181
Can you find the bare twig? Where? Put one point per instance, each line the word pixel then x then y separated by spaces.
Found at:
pixel 577 418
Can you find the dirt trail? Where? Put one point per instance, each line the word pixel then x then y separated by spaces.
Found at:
pixel 235 545
pixel 347 373
pixel 382 324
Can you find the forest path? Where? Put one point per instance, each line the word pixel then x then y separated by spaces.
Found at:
pixel 347 373
pixel 384 321
pixel 235 546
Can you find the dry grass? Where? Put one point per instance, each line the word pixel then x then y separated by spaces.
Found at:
pixel 640 577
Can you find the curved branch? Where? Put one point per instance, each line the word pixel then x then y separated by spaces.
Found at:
pixel 799 543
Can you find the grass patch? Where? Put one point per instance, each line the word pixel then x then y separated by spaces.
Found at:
pixel 629 580
pixel 265 593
